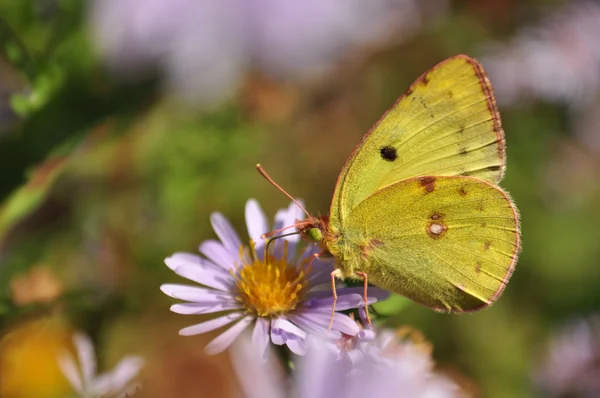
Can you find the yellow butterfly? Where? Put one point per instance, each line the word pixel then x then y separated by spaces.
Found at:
pixel 416 208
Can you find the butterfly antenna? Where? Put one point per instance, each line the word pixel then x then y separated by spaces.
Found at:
pixel 268 178
pixel 278 237
pixel 275 232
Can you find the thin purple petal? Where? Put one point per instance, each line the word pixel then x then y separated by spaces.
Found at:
pixel 288 327
pixel 320 276
pixel 86 355
pixel 119 378
pixel 206 307
pixel 211 278
pixel 366 334
pixel 306 323
pixel 278 336
pixel 257 378
pixel 260 337
pixel 181 258
pixel 217 253
pixel 373 293
pixel 345 302
pixel 200 271
pixel 192 293
pixel 286 217
pixel 70 370
pixel 362 313
pixel 230 239
pixel 343 323
pixel 323 375
pixel 210 325
pixel 256 221
pixel 283 331
pixel 225 339
pixel 320 321
pixel 296 345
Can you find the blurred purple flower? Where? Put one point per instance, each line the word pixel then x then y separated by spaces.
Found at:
pixel 390 367
pixel 558 61
pixel 286 298
pixel 570 367
pixel 205 46
pixel 81 372
pixel 353 348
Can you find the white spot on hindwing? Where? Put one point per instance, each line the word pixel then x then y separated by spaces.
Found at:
pixel 436 228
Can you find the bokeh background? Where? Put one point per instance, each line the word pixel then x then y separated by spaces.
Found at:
pixel 125 123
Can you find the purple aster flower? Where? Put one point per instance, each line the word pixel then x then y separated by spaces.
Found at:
pixel 570 366
pixel 353 348
pixel 283 296
pixel 81 372
pixel 205 47
pixel 558 60
pixel 391 367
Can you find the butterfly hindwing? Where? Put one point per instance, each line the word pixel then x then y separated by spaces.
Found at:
pixel 449 243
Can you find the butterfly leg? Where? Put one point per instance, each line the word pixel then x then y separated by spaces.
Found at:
pixel 335 274
pixel 364 276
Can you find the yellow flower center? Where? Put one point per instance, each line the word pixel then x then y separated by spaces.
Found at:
pixel 271 286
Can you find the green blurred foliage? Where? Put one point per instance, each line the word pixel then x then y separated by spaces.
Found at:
pixel 140 175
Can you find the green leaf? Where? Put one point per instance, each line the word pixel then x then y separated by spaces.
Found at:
pixel 392 306
pixel 29 197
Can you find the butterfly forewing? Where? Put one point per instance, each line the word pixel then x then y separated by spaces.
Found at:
pixel 446 124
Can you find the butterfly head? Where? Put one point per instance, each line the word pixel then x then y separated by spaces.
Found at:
pixel 314 229
pixel 314 234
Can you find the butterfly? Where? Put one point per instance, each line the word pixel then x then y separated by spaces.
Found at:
pixel 417 209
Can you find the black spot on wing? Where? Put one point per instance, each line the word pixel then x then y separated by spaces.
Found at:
pixel 388 153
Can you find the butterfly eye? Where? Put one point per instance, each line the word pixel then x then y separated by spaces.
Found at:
pixel 315 234
pixel 388 153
